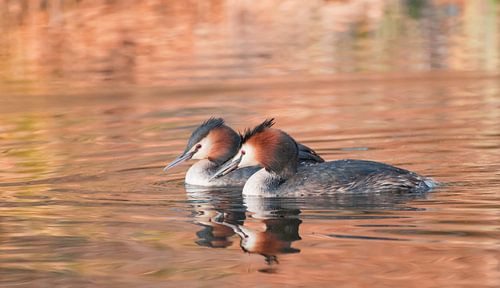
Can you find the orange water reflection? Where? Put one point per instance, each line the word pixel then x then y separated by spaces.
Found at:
pixel 96 96
pixel 160 42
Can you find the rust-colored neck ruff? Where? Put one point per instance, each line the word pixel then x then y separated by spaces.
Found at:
pixel 275 151
pixel 224 144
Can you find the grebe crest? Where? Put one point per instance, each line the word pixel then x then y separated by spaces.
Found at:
pixel 269 140
pixel 270 148
pixel 212 140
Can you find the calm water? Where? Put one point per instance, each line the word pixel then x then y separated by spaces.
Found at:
pixel 84 201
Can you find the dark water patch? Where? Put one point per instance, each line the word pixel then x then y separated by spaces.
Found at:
pixel 448 233
pixel 359 237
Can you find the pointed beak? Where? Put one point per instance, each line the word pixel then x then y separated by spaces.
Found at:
pixel 228 167
pixel 184 157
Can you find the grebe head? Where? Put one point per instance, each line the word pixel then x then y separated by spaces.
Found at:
pixel 269 148
pixel 212 140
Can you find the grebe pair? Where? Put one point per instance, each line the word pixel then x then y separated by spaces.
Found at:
pixel 214 143
pixel 281 173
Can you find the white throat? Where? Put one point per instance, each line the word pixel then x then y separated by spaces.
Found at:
pixel 200 173
pixel 261 183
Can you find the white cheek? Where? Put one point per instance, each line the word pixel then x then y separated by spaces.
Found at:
pixel 249 159
pixel 203 151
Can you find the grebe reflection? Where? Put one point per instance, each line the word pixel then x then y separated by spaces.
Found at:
pixel 269 233
pixel 270 226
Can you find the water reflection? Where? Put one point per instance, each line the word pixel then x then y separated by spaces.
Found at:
pixel 270 226
pixel 189 41
pixel 212 206
pixel 222 214
pixel 84 202
pixel 277 237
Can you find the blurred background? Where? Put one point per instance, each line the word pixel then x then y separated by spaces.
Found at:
pixel 155 42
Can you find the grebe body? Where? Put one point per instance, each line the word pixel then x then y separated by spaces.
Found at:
pixel 277 153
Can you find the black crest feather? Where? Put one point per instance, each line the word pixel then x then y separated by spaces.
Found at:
pixel 212 122
pixel 268 123
pixel 203 130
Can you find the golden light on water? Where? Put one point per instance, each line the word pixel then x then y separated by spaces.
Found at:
pixel 97 96
pixel 161 42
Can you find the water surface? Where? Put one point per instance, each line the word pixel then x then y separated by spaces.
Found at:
pixel 84 201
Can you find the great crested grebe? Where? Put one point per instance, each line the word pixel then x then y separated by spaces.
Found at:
pixel 213 143
pixel 277 152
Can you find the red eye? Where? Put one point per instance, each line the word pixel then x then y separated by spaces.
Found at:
pixel 198 146
pixel 243 152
